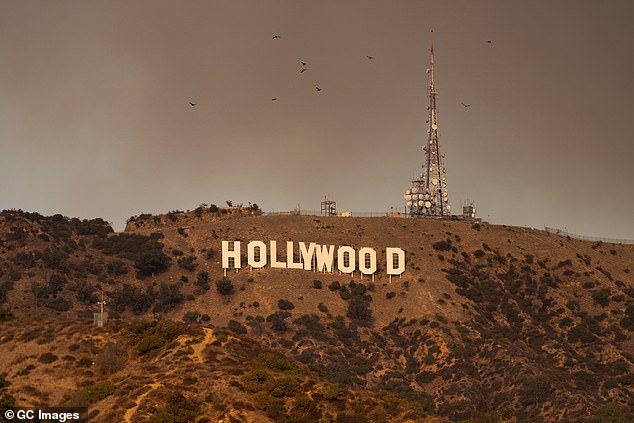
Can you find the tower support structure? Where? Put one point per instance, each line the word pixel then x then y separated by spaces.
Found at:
pixel 428 195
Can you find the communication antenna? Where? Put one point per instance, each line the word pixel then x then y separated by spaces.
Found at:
pixel 328 207
pixel 429 196
pixel 101 318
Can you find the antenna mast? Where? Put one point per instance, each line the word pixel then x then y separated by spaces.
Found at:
pixel 428 195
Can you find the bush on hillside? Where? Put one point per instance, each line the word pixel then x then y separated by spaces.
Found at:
pixel 224 287
pixel 285 305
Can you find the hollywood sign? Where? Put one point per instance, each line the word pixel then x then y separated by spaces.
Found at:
pixel 312 256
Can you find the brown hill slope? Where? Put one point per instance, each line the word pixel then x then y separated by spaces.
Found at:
pixel 496 322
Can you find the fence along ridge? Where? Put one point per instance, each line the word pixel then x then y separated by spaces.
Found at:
pixel 588 238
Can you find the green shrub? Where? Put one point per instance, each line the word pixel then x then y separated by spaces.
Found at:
pixel 283 387
pixel 273 407
pixel 130 297
pixel 336 393
pixel 334 286
pixel 111 359
pixel 88 395
pixel 278 322
pixel 276 360
pixel 149 343
pixel 285 305
pixel 255 380
pixel 191 317
pixel 187 263
pixel 6 401
pixel 47 358
pixel 169 297
pixel 611 413
pixel 580 333
pixel 304 410
pixel 202 280
pixel 152 263
pixel 442 245
pixel 59 304
pixel 224 287
pixel 535 389
pixel 117 268
pixel 5 315
pixel 5 287
pixel 145 251
pixel 601 296
pixel 236 327
pixel 359 310
pixel 99 391
pixel 177 409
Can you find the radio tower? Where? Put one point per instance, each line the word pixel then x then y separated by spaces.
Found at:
pixel 428 195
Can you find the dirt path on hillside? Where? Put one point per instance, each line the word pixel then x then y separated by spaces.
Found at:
pixel 130 412
pixel 200 347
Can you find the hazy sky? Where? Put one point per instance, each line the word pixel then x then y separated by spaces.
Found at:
pixel 95 117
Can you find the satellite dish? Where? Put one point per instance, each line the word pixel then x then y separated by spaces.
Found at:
pixel 408 192
pixel 448 207
pixel 414 190
pixel 434 181
pixel 428 70
pixel 409 204
pixel 434 126
pixel 407 197
pixel 427 204
pixel 426 196
pixel 420 202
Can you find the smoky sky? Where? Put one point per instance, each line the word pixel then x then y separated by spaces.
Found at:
pixel 95 118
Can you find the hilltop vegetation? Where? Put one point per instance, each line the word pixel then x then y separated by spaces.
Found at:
pixel 487 324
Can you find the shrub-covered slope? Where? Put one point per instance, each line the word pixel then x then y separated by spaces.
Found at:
pixel 488 323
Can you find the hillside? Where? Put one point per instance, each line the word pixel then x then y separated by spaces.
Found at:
pixel 488 323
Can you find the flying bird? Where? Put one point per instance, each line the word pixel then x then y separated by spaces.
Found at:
pixel 303 70
pixel 370 57
pixel 273 99
pixel 489 41
pixel 466 105
pixel 192 104
pixel 303 63
pixel 318 89
pixel 275 36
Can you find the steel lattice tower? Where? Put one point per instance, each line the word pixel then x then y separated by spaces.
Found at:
pixel 428 195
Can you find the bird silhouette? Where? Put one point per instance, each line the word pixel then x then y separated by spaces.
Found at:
pixel 466 105
pixel 303 70
pixel 318 89
pixel 192 104
pixel 370 57
pixel 489 41
pixel 303 63
pixel 273 99
pixel 275 36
